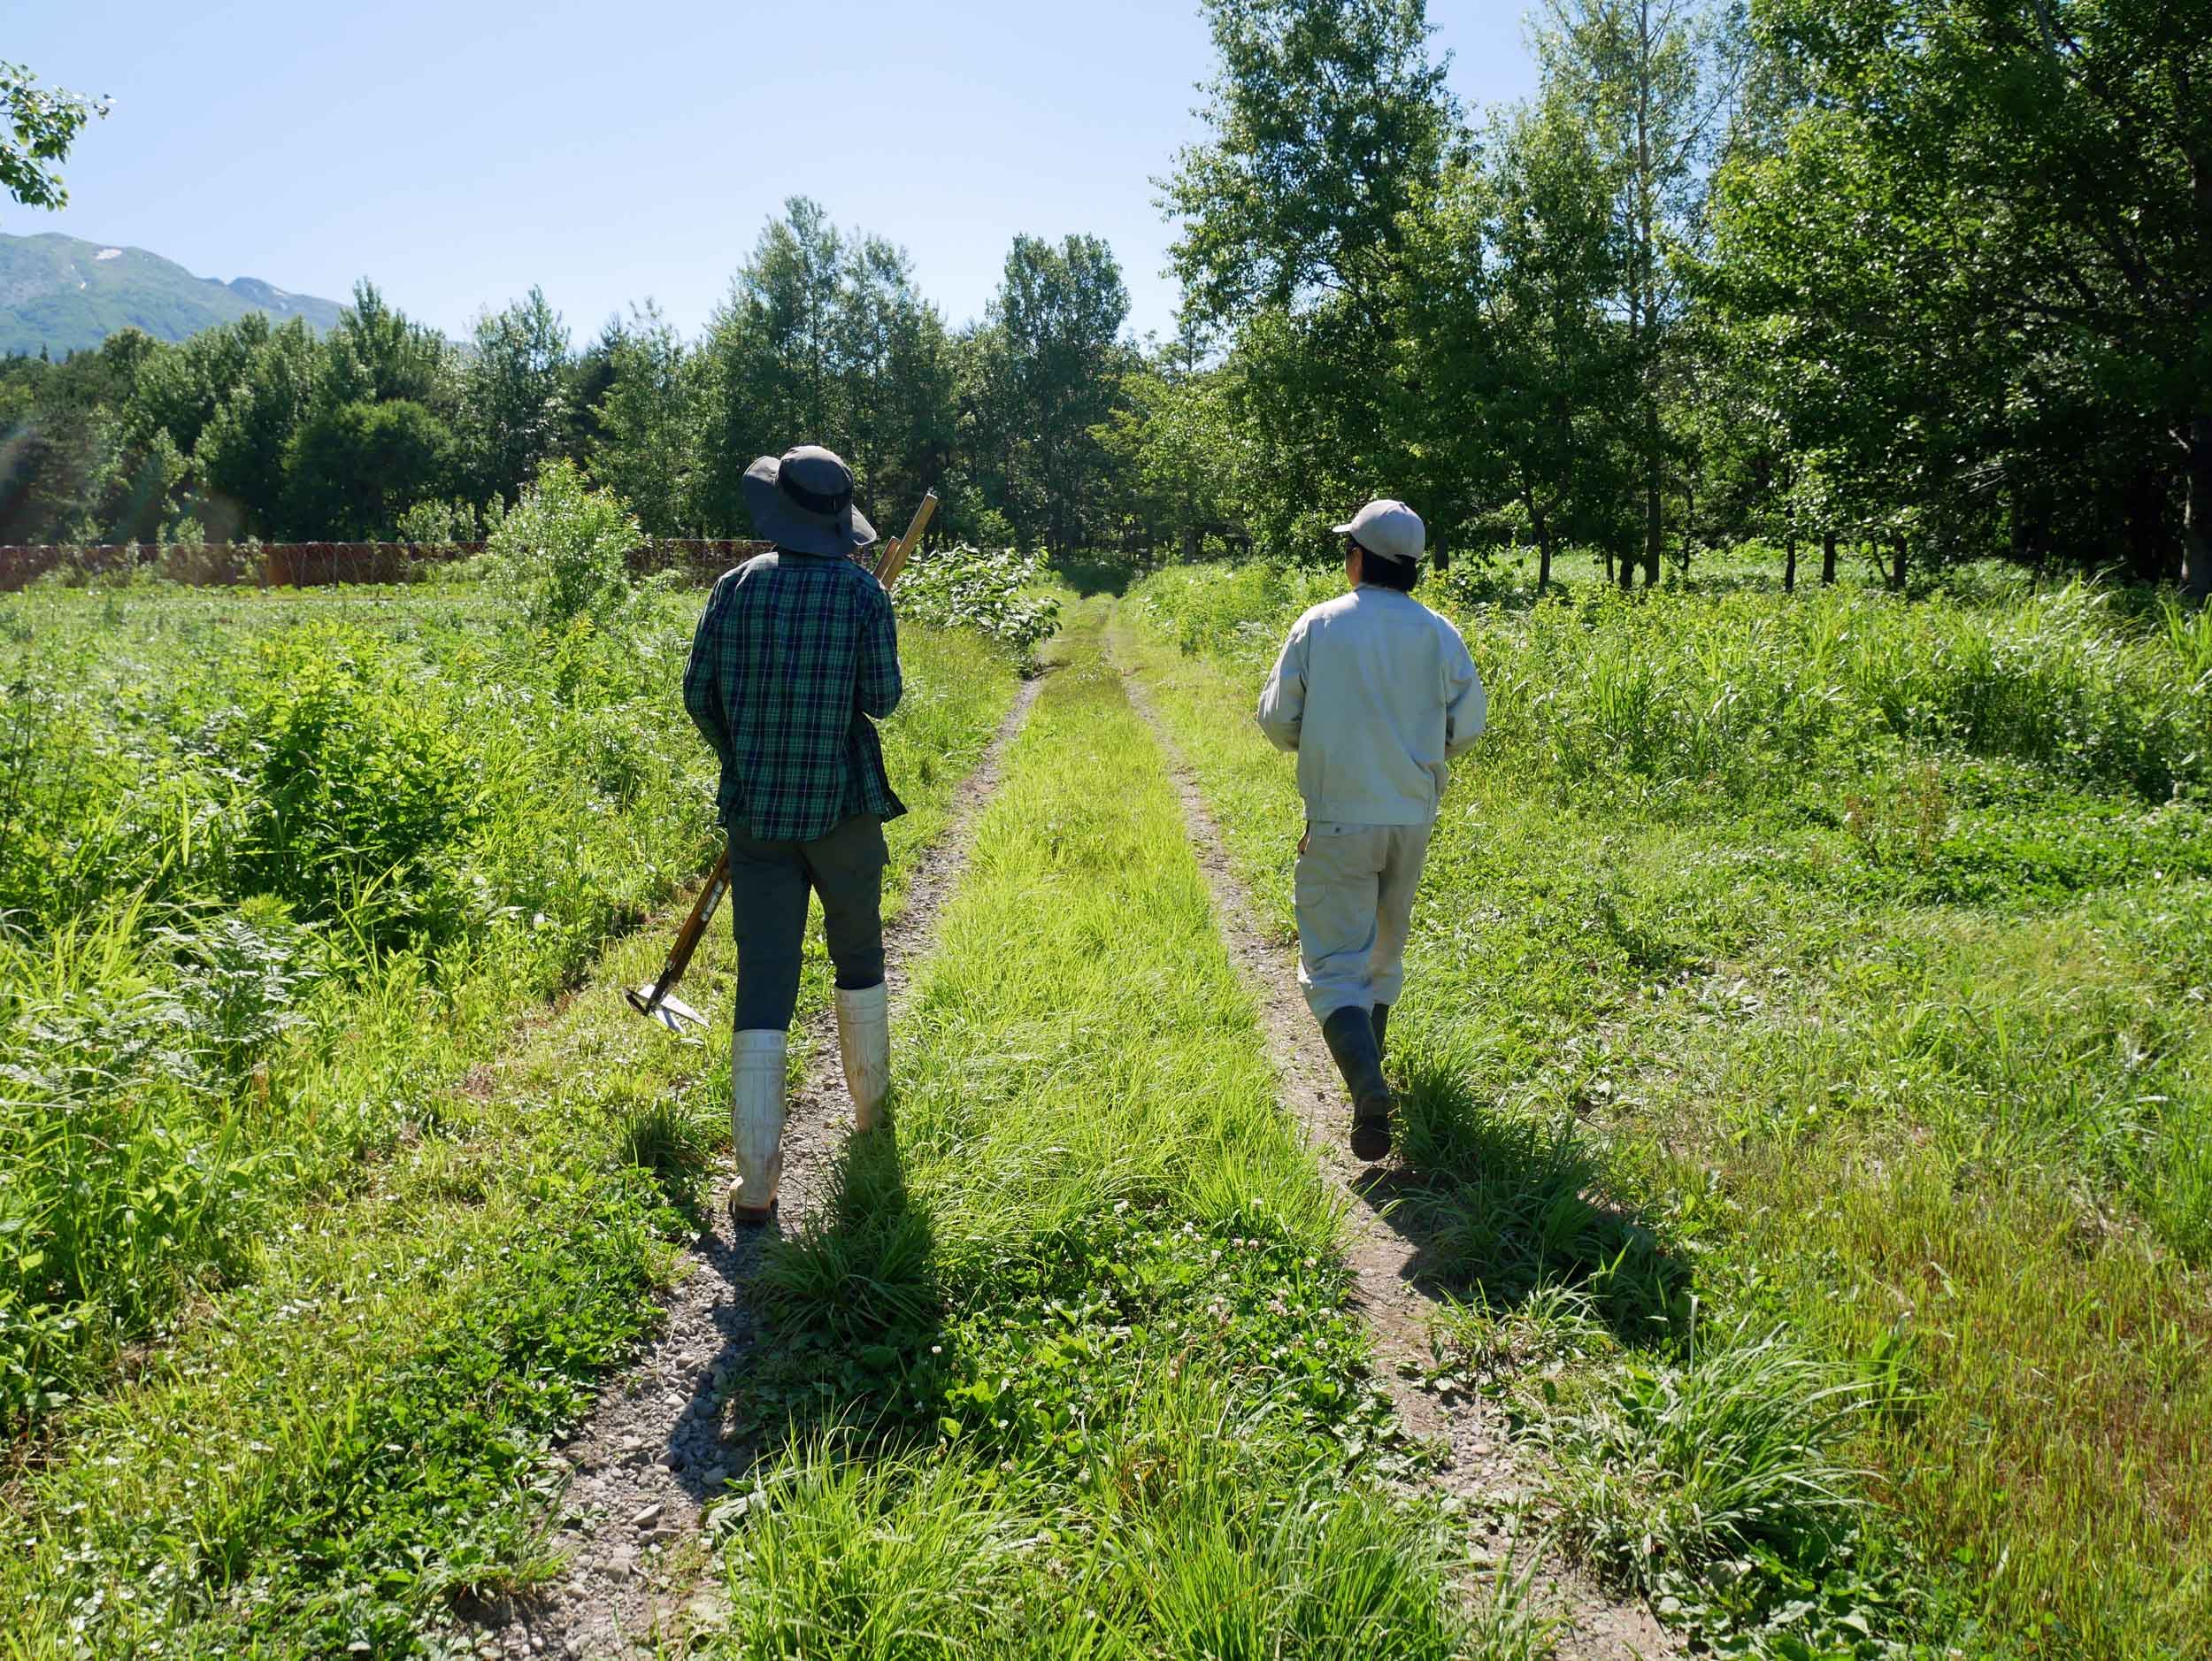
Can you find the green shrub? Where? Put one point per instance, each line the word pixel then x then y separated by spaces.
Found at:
pixel 240 980
pixel 124 1169
pixel 965 588
pixel 362 788
pixel 562 553
pixel 1240 611
pixel 440 523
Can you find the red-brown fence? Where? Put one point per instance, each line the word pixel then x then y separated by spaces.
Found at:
pixel 318 565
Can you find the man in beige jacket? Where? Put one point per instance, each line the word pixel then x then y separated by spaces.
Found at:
pixel 1376 694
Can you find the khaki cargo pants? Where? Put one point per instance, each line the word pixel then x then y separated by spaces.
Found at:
pixel 1354 896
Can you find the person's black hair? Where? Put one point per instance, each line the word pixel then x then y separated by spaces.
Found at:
pixel 1402 575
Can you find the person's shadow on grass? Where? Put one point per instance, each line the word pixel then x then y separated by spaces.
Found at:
pixel 1502 1205
pixel 817 1321
pixel 845 1313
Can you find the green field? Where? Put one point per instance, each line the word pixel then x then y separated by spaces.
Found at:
pixel 1830 970
pixel 1794 1241
pixel 1808 1100
pixel 1068 1369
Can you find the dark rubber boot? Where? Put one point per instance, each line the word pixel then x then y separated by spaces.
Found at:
pixel 1382 1028
pixel 1350 1033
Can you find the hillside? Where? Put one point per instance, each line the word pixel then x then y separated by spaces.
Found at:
pixel 64 295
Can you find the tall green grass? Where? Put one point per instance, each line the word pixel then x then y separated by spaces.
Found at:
pixel 239 832
pixel 1840 963
pixel 442 1221
pixel 1680 702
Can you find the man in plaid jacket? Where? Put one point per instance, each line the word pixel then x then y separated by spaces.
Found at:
pixel 796 653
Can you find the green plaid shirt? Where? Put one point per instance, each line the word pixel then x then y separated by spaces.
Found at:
pixel 795 653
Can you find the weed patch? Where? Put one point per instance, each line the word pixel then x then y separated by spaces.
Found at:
pixel 312 1261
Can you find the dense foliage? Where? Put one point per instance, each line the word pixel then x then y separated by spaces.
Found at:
pixel 1928 280
pixel 37 126
pixel 382 426
pixel 286 1128
pixel 965 588
pixel 256 854
pixel 236 837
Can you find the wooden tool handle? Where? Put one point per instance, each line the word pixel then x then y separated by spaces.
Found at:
pixel 695 928
pixel 893 560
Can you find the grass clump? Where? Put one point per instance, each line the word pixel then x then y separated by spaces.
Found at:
pixel 1510 1203
pixel 1716 1486
pixel 1216 1547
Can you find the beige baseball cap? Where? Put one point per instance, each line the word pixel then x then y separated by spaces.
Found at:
pixel 1389 528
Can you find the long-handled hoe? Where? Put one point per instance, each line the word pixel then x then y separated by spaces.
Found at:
pixel 657 1001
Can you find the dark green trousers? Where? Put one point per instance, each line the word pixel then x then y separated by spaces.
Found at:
pixel 768 885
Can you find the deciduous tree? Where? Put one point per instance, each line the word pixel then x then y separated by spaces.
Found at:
pixel 1650 83
pixel 37 126
pixel 1518 375
pixel 1328 122
pixel 241 454
pixel 2047 167
pixel 1046 368
pixel 352 469
pixel 646 421
pixel 514 393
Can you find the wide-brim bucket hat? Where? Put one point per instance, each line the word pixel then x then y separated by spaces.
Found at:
pixel 802 500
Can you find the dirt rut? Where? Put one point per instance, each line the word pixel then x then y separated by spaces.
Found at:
pixel 652 1458
pixel 1476 1462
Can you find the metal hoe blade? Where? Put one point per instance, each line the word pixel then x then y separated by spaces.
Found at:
pixel 671 1012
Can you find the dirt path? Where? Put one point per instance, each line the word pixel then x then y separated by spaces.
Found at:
pixel 652 1456
pixel 1476 1463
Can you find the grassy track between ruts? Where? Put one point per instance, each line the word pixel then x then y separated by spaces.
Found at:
pixel 1895 1059
pixel 1066 1366
pixel 326 1458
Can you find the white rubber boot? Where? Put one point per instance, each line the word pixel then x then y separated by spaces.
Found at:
pixel 864 1044
pixel 757 1121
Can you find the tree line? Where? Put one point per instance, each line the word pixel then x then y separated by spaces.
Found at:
pixel 1916 281
pixel 384 428
pixel 1926 279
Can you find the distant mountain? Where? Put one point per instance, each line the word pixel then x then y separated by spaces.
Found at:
pixel 66 295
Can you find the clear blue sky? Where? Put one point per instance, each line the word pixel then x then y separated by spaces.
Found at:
pixel 456 153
